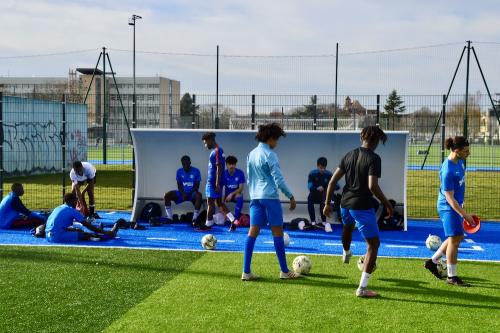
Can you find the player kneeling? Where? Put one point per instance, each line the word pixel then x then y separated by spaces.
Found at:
pixel 60 227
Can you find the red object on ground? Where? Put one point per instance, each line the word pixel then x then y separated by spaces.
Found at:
pixel 472 229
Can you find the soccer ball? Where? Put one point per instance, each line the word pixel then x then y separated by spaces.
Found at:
pixel 219 219
pixel 286 239
pixel 442 267
pixel 361 264
pixel 208 242
pixel 302 265
pixel 433 242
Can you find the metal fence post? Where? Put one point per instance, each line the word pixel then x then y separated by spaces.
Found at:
pixel 193 120
pixel 315 113
pixel 378 111
pixel 253 112
pixel 104 113
pixel 443 129
pixel 336 81
pixel 1 144
pixel 63 145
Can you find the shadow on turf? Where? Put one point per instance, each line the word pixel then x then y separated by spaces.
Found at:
pixel 418 288
pixel 25 254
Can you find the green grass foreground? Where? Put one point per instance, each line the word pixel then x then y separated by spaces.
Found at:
pixel 114 191
pixel 90 290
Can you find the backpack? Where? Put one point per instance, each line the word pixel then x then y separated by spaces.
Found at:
pixel 200 220
pixel 151 210
pixel 395 222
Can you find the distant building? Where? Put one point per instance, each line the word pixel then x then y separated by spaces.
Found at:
pixel 158 99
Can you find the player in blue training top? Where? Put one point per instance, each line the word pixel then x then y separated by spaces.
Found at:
pixel 234 182
pixel 213 190
pixel 13 214
pixel 188 184
pixel 450 208
pixel 60 229
pixel 264 181
pixel 362 168
pixel 317 182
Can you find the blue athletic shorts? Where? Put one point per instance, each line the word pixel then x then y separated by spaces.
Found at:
pixel 452 223
pixel 365 220
pixel 65 237
pixel 266 211
pixel 179 199
pixel 211 193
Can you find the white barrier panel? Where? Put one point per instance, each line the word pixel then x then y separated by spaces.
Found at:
pixel 158 153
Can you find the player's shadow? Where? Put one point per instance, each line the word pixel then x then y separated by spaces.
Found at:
pixel 420 288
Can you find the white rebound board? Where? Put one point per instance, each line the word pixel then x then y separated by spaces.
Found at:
pixel 158 153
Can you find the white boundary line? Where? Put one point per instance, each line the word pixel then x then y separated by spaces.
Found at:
pixel 216 251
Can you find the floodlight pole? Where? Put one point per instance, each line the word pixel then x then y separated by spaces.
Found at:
pixel 467 90
pixel 217 92
pixel 336 81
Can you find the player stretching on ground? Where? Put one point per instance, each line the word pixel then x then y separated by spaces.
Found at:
pixel 13 214
pixel 449 206
pixel 188 182
pixel 213 191
pixel 234 182
pixel 264 180
pixel 84 172
pixel 362 169
pixel 60 227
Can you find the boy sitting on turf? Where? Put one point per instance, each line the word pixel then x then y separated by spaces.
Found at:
pixel 188 182
pixel 60 227
pixel 13 214
pixel 234 182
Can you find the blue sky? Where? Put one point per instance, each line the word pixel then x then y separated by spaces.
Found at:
pixel 257 27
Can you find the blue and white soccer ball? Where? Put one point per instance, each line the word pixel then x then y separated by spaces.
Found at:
pixel 433 242
pixel 302 265
pixel 209 242
pixel 442 267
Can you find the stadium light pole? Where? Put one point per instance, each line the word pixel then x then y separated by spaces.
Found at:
pixel 131 22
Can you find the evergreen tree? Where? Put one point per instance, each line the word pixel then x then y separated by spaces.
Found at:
pixel 394 104
pixel 187 107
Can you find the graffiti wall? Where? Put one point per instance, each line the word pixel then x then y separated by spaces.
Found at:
pixel 33 132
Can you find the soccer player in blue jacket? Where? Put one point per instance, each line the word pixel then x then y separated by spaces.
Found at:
pixel 264 181
pixel 450 208
pixel 234 183
pixel 60 229
pixel 188 184
pixel 362 168
pixel 317 182
pixel 213 189
pixel 13 214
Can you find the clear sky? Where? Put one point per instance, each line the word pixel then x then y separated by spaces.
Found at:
pixel 254 28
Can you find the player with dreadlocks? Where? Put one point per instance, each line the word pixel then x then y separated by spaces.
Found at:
pixel 362 169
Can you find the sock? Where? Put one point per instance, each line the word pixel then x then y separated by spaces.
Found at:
pixel 196 213
pixel 209 223
pixel 91 210
pixel 279 247
pixel 230 217
pixel 348 252
pixel 364 280
pixel 247 259
pixel 238 207
pixel 452 270
pixel 437 256
pixel 168 210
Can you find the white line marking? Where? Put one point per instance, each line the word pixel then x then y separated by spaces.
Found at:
pixel 226 241
pixel 336 244
pixel 269 242
pixel 474 248
pixel 161 238
pixel 110 213
pixel 468 240
pixel 477 248
pixel 403 246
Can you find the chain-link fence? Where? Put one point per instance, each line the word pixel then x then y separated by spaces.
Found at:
pixel 44 133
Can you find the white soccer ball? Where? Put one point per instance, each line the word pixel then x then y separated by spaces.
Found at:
pixel 302 265
pixel 208 242
pixel 219 219
pixel 442 267
pixel 361 264
pixel 433 242
pixel 286 239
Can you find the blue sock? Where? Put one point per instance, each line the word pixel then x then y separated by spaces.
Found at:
pixel 279 246
pixel 238 207
pixel 247 259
